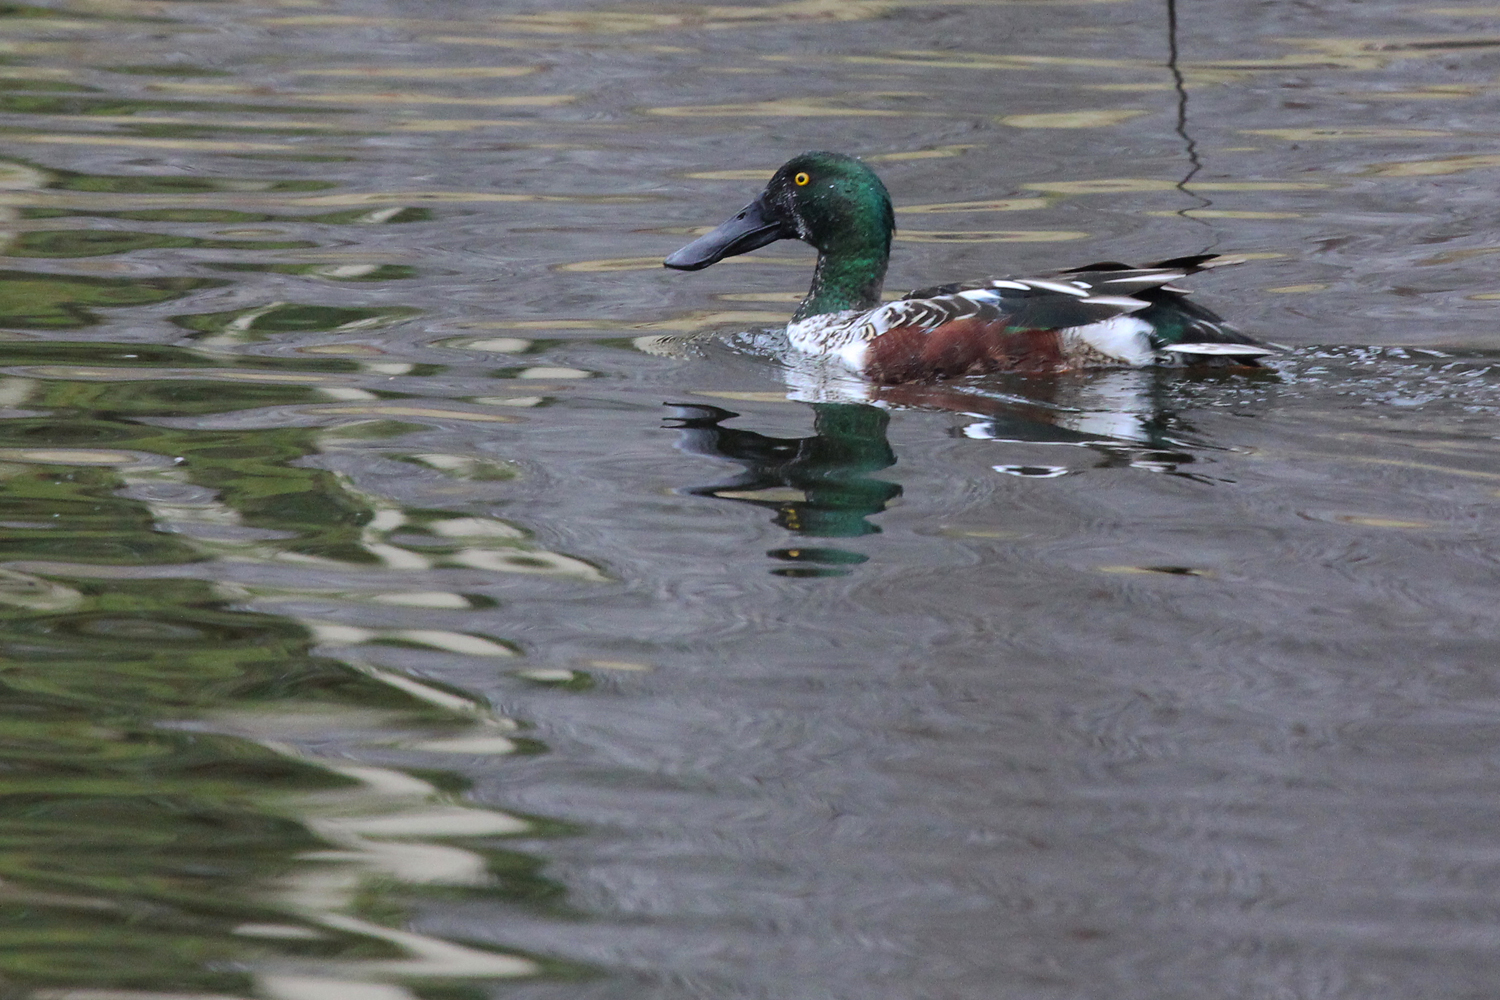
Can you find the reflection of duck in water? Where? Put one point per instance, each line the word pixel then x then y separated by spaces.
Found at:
pixel 1105 314
pixel 819 486
pixel 1124 418
pixel 823 486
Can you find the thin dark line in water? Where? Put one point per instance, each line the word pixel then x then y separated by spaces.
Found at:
pixel 1180 85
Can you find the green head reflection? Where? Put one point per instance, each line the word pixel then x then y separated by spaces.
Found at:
pixel 819 486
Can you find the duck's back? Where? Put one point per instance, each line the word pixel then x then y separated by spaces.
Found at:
pixel 1103 314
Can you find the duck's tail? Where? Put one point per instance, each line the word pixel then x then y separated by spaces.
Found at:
pixel 1180 328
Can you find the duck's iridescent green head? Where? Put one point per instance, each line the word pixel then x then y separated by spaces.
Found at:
pixel 829 200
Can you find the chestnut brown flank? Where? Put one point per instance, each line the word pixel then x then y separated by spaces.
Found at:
pixel 961 347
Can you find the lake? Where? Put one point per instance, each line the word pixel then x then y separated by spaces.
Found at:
pixel 410 590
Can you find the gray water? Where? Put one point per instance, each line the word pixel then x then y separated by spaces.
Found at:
pixel 411 591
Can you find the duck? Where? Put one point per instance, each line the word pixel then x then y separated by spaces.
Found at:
pixel 1106 314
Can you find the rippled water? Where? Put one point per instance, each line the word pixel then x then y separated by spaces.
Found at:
pixel 411 591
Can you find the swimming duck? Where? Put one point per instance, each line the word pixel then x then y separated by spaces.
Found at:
pixel 1102 314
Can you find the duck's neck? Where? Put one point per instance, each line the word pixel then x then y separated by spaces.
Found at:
pixel 849 275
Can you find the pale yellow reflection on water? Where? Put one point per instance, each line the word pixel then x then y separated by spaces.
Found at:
pixel 371 630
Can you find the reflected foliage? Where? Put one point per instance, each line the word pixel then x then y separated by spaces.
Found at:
pixel 141 396
pixel 35 301
pixel 67 180
pixel 292 318
pixel 79 516
pixel 22 11
pixel 126 847
pixel 106 242
pixel 64 513
pixel 332 272
pixel 168 69
pixel 976 773
pixel 16 83
pixel 362 216
pixel 135 845
pixel 114 106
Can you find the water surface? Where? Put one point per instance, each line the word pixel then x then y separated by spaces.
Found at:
pixel 408 589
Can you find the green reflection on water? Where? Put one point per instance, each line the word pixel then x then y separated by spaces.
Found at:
pixel 139 397
pixel 292 318
pixel 38 301
pixel 130 852
pixel 171 69
pixel 819 486
pixel 138 844
pixel 21 10
pixel 66 180
pixel 103 242
pixel 75 512
pixel 360 216
pixel 252 470
pixel 16 83
pixel 88 105
pixel 139 849
pixel 333 272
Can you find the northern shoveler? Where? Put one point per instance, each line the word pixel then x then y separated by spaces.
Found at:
pixel 1102 314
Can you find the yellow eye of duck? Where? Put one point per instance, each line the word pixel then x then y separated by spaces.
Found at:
pixel 801 179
